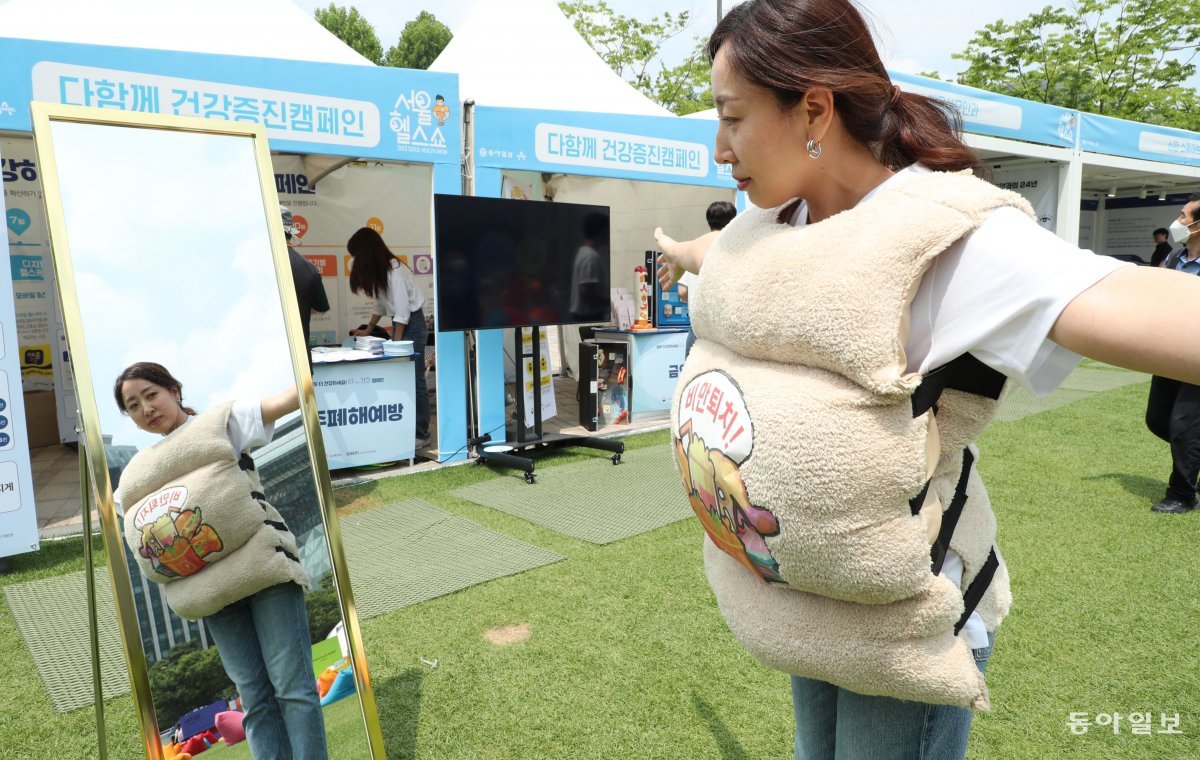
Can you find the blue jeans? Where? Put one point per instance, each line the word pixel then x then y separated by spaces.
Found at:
pixel 266 650
pixel 418 332
pixel 833 723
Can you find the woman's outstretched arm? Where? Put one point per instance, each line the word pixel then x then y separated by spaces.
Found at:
pixel 1141 318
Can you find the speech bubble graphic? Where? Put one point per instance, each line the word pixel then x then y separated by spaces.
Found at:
pixel 18 221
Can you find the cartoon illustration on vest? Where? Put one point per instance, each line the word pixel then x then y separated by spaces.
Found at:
pixel 714 437
pixel 174 538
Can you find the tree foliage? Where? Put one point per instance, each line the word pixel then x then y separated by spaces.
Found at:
pixel 631 46
pixel 349 26
pixel 1124 58
pixel 187 678
pixel 421 42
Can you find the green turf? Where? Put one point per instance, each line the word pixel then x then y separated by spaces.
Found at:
pixel 641 494
pixel 407 552
pixel 628 656
pixel 343 730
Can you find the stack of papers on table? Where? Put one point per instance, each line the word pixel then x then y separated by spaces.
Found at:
pixel 329 355
pixel 369 344
pixel 397 348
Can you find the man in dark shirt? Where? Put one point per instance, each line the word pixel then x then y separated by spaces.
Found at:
pixel 310 291
pixel 1173 408
pixel 1161 247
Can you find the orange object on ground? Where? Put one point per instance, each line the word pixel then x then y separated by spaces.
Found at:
pixel 325 680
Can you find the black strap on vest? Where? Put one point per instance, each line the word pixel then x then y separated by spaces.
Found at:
pixel 293 557
pixel 979 586
pixel 966 373
pixel 937 552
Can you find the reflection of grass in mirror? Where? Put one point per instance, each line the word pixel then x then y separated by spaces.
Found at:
pixel 343 731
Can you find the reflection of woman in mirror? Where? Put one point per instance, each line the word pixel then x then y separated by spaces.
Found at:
pixel 198 522
pixel 380 275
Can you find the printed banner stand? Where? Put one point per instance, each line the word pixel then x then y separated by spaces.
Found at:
pixel 18 515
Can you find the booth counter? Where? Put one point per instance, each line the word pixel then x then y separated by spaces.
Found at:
pixel 655 358
pixel 366 407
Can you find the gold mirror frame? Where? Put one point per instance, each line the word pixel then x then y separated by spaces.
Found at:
pixel 44 114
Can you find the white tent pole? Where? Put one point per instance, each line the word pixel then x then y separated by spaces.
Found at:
pixel 1070 195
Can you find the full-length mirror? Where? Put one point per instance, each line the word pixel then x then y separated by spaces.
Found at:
pixel 201 436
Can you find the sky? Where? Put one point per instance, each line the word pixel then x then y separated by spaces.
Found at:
pixel 913 35
pixel 218 328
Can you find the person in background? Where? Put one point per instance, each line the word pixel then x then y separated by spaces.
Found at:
pixel 310 290
pixel 377 273
pixel 589 297
pixel 1173 407
pixel 814 353
pixel 197 521
pixel 719 214
pixel 1161 247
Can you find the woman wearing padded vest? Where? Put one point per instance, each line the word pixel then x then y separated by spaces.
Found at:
pixel 380 275
pixel 197 521
pixel 825 435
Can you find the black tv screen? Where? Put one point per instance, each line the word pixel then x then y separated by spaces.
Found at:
pixel 514 263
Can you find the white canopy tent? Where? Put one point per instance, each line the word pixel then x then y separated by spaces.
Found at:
pixel 260 28
pixel 526 54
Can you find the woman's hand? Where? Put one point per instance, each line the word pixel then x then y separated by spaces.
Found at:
pixel 678 257
pixel 357 331
pixel 669 269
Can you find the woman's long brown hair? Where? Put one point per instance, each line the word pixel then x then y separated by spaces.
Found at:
pixel 790 46
pixel 372 263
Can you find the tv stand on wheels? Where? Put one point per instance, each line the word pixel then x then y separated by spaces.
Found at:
pixel 507 453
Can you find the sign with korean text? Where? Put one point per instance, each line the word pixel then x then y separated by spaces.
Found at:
pixel 663 149
pixel 988 113
pixel 335 109
pixel 1117 137
pixel 18 517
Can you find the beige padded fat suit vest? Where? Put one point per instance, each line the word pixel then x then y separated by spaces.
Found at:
pixel 796 441
pixel 197 521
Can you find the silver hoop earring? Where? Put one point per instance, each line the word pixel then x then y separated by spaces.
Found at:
pixel 814 148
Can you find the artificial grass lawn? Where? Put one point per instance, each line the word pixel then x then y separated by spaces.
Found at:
pixel 628 656
pixel 343 732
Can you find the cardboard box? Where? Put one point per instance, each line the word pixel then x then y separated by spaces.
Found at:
pixel 41 419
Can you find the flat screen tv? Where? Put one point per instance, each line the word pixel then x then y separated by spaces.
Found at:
pixel 514 263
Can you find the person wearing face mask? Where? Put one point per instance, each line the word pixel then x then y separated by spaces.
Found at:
pixel 1173 407
pixel 1183 233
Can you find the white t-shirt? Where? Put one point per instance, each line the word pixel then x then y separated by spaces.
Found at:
pixel 689 280
pixel 402 298
pixel 244 428
pixel 588 269
pixel 996 294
